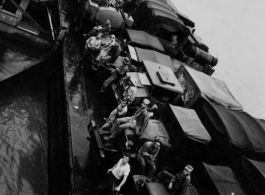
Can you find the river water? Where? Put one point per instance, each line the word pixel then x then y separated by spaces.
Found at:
pixel 23 139
pixel 23 123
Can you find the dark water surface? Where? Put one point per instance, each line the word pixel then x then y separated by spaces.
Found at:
pixel 15 56
pixel 23 137
pixel 23 125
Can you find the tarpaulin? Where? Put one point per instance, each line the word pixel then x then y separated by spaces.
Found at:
pixel 156 128
pixel 191 124
pixel 224 180
pixel 199 85
pixel 156 18
pixel 153 69
pixel 162 3
pixel 255 172
pixel 242 130
pixel 167 11
pixel 177 64
pixel 168 4
pixel 187 21
pixel 145 39
pixel 153 56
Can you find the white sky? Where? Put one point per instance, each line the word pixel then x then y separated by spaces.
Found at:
pixel 234 30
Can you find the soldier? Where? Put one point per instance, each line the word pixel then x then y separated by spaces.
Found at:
pixel 104 29
pixel 130 92
pixel 117 74
pixel 137 122
pixel 174 39
pixel 117 174
pixel 108 51
pixel 120 111
pixel 181 181
pixel 92 46
pixel 147 155
pixel 176 184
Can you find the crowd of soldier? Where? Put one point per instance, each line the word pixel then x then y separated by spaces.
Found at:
pixel 101 53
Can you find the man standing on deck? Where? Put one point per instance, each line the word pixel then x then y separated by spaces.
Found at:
pixel 117 175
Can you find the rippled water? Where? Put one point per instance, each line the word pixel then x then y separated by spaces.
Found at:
pixel 23 139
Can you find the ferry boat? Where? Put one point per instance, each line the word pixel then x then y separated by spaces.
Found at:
pixel 199 121
pixel 182 74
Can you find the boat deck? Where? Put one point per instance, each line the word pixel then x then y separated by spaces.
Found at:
pixel 84 103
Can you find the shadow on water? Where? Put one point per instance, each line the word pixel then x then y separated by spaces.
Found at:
pixel 16 57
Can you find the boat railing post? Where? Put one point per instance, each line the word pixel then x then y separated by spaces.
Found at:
pixel 50 20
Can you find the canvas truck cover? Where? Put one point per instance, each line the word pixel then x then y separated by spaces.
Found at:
pixel 153 5
pixel 191 124
pixel 145 39
pixel 242 130
pixel 162 3
pixel 153 69
pixel 156 18
pixel 199 85
pixel 171 6
pixel 224 180
pixel 156 128
pixel 261 122
pixel 255 172
pixel 187 21
pixel 153 56
pixel 177 64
